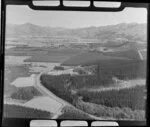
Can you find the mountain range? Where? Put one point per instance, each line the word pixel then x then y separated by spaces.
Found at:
pixel 121 32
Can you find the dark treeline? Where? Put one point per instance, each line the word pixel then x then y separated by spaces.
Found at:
pixel 70 113
pixel 25 93
pixel 126 70
pixel 77 82
pixel 132 98
pixel 14 111
pixel 56 85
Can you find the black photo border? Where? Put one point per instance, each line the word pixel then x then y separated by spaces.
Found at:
pixel 23 122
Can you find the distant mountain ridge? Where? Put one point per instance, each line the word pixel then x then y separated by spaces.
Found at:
pixel 121 32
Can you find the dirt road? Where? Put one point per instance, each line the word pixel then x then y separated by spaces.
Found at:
pixel 64 103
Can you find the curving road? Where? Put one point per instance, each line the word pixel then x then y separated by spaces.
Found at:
pixel 49 94
pixel 64 103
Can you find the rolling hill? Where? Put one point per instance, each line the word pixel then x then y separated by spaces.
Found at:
pixel 118 33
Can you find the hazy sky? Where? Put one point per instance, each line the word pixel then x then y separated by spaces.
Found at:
pixel 67 19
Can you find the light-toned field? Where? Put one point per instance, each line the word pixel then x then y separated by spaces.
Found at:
pixel 9 46
pixel 15 60
pixel 24 81
pixel 15 43
pixel 44 103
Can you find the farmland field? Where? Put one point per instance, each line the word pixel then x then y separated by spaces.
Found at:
pixel 13 111
pixel 44 54
pixel 90 58
pixel 23 61
pixel 54 55
pixel 72 88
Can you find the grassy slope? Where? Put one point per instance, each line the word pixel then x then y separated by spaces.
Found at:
pixel 14 111
pixel 54 55
pixel 132 54
pixel 118 57
pixel 44 54
pixel 90 58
